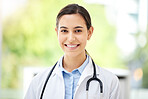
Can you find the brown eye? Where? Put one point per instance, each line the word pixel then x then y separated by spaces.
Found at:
pixel 78 31
pixel 64 31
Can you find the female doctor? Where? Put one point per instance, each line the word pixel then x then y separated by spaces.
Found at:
pixel 75 75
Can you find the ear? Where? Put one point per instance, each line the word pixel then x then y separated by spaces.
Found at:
pixel 90 32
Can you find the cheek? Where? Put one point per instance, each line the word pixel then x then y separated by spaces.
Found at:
pixel 60 38
pixel 83 39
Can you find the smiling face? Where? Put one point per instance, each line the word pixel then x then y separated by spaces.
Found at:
pixel 73 34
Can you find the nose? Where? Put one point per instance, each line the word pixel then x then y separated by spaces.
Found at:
pixel 71 37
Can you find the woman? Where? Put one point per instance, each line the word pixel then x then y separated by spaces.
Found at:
pixel 71 76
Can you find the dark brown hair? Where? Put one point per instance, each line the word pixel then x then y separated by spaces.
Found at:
pixel 74 9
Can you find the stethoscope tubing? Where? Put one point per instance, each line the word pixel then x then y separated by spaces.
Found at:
pixel 47 80
pixel 94 78
pixel 87 84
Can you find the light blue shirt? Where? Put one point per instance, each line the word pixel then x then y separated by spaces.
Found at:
pixel 71 78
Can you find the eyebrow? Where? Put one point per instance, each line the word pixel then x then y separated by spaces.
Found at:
pixel 78 27
pixel 74 27
pixel 63 27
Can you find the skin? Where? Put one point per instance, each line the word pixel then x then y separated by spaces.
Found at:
pixel 72 35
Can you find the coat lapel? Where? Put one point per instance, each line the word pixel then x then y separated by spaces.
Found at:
pixel 88 72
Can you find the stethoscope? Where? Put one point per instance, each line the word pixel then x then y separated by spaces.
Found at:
pixel 87 84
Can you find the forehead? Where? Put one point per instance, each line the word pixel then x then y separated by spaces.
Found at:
pixel 72 20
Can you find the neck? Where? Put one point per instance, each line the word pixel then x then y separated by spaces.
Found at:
pixel 71 63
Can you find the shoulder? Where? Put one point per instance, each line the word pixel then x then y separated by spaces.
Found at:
pixel 108 75
pixel 40 78
pixel 111 82
pixel 37 84
pixel 42 74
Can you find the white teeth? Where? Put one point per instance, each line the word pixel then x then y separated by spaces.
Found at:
pixel 71 46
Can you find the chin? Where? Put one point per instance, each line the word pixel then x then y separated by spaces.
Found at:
pixel 73 54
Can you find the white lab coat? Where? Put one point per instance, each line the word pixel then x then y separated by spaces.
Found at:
pixel 55 87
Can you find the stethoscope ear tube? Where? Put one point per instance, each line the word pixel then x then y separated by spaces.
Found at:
pixel 47 81
pixel 94 78
pixel 91 79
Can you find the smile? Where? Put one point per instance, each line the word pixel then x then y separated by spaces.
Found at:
pixel 71 45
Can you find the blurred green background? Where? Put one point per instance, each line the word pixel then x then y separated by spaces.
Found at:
pixel 29 39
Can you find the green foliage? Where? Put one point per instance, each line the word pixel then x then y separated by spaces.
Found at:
pixel 145 75
pixel 145 63
pixel 29 39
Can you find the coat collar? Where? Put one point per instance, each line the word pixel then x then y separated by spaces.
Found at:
pixel 57 70
pixel 88 71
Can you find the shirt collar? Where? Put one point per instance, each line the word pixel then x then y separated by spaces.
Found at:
pixel 80 69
